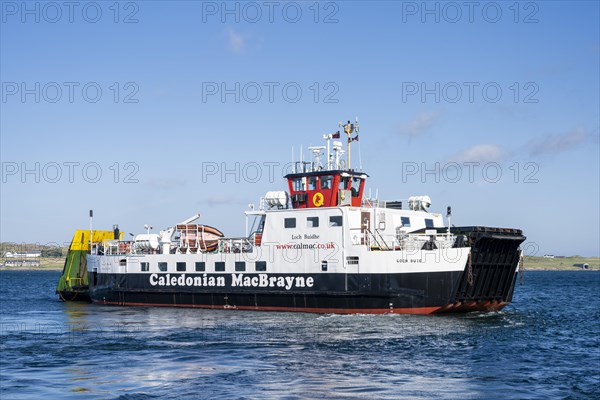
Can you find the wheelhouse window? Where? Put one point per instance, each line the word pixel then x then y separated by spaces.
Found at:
pixel 299 185
pixel 181 266
pixel 240 266
pixel 162 266
pixel 260 266
pixel 335 220
pixel 405 222
pixel 289 222
pixel 428 223
pixel 326 182
pixel 355 186
pixel 219 266
pixel 312 183
pixel 312 222
pixel 200 266
pixel 145 266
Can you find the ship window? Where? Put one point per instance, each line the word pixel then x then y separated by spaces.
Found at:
pixel 181 267
pixel 298 184
pixel 289 222
pixel 200 266
pixel 326 182
pixel 145 266
pixel 352 260
pixel 324 266
pixel 343 184
pixel 240 266
pixel 406 222
pixel 122 262
pixel 335 220
pixel 312 183
pixel 162 266
pixel 260 266
pixel 355 187
pixel 219 266
pixel 428 223
pixel 312 222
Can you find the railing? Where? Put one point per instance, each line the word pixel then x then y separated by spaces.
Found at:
pixel 112 247
pixel 419 240
pixel 394 204
pixel 236 245
pixel 405 241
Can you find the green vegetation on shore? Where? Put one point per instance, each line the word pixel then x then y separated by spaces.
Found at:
pixel 559 264
pixel 52 255
pixel 46 263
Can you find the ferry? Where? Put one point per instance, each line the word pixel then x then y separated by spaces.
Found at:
pixel 320 246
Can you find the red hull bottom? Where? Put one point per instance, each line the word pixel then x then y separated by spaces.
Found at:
pixel 470 306
pixel 450 308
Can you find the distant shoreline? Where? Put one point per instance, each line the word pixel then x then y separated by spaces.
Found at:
pixel 40 268
pixel 530 264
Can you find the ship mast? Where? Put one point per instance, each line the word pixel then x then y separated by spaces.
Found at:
pixel 349 129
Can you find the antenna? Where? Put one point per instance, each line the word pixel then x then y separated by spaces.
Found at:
pixel 356 128
pixel 349 129
pixel 316 150
pixel 91 231
pixel 449 217
pixel 328 155
pixel 337 149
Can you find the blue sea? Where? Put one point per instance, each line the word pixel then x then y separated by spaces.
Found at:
pixel 545 345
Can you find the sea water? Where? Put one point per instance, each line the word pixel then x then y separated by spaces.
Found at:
pixel 546 344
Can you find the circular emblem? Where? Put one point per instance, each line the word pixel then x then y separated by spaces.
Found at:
pixel 318 199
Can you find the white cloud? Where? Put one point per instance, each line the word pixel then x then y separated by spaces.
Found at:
pixel 165 183
pixel 480 153
pixel 237 41
pixel 219 200
pixel 419 124
pixel 553 144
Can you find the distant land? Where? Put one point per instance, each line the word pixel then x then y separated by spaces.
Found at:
pixel 560 263
pixel 53 258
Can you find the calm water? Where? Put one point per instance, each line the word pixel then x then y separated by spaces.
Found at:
pixel 544 345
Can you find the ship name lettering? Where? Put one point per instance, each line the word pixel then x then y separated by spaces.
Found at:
pixel 296 237
pixel 311 236
pixel 263 280
pixel 183 280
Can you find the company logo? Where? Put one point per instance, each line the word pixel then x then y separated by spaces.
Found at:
pixel 318 199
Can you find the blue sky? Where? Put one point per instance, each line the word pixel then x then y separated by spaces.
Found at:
pixel 502 88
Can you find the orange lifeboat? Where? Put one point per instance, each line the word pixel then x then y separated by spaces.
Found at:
pixel 195 237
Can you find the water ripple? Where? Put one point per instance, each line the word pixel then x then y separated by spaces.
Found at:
pixel 545 345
